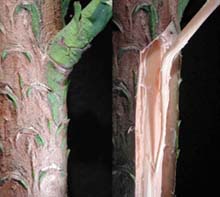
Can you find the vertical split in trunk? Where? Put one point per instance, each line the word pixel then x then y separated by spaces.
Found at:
pixel 156 129
pixel 33 116
pixel 137 24
pixel 157 108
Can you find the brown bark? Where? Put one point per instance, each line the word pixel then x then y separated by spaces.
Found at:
pixel 32 157
pixel 132 35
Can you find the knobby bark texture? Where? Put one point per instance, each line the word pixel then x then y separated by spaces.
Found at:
pixel 137 23
pixel 36 58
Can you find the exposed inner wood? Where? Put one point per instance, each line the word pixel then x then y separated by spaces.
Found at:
pixel 157 108
pixel 150 139
pixel 133 35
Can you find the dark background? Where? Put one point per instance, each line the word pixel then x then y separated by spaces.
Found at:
pixel 89 108
pixel 200 109
pixel 89 105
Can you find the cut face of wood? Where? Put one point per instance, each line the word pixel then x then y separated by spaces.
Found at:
pixel 157 108
pixel 151 119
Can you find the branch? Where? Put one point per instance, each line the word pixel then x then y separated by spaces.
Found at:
pixel 68 45
pixel 189 30
pixel 180 42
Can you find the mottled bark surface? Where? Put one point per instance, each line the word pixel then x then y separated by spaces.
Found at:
pixel 36 58
pixel 33 145
pixel 135 28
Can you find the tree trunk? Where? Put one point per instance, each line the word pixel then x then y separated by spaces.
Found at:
pixel 35 62
pixel 33 160
pixel 138 23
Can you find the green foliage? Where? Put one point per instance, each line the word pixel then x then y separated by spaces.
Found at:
pixel 68 153
pixel 64 144
pixel 11 96
pixel 65 6
pixel 39 140
pixel 181 7
pixel 56 82
pixel 49 125
pixel 60 129
pixel 27 55
pixel 68 45
pixel 153 16
pixel 35 14
pixel 4 54
pixel 21 82
pixel 23 183
pixel 42 174
pixel 1 148
pixel 18 9
pixel 29 90
pixel 54 78
pixel 33 174
pixel 153 21
pixel 55 105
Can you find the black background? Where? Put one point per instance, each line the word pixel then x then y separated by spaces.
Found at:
pixel 200 109
pixel 90 109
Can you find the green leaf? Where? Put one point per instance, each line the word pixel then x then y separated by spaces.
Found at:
pixel 12 97
pixel 65 6
pixel 27 55
pixel 141 6
pixel 99 24
pixel 54 78
pixel 182 4
pixel 29 90
pixel 153 16
pixel 21 82
pixel 35 16
pixel 33 174
pixel 77 10
pixel 42 174
pixel 60 128
pixel 18 9
pixel 77 35
pixel 68 153
pixel 177 153
pixel 49 125
pixel 64 143
pixel 35 21
pixel 153 21
pixel 132 176
pixel 4 54
pixel 55 105
pixel 23 183
pixel 39 140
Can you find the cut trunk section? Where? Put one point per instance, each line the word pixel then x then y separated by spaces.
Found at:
pixel 156 129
